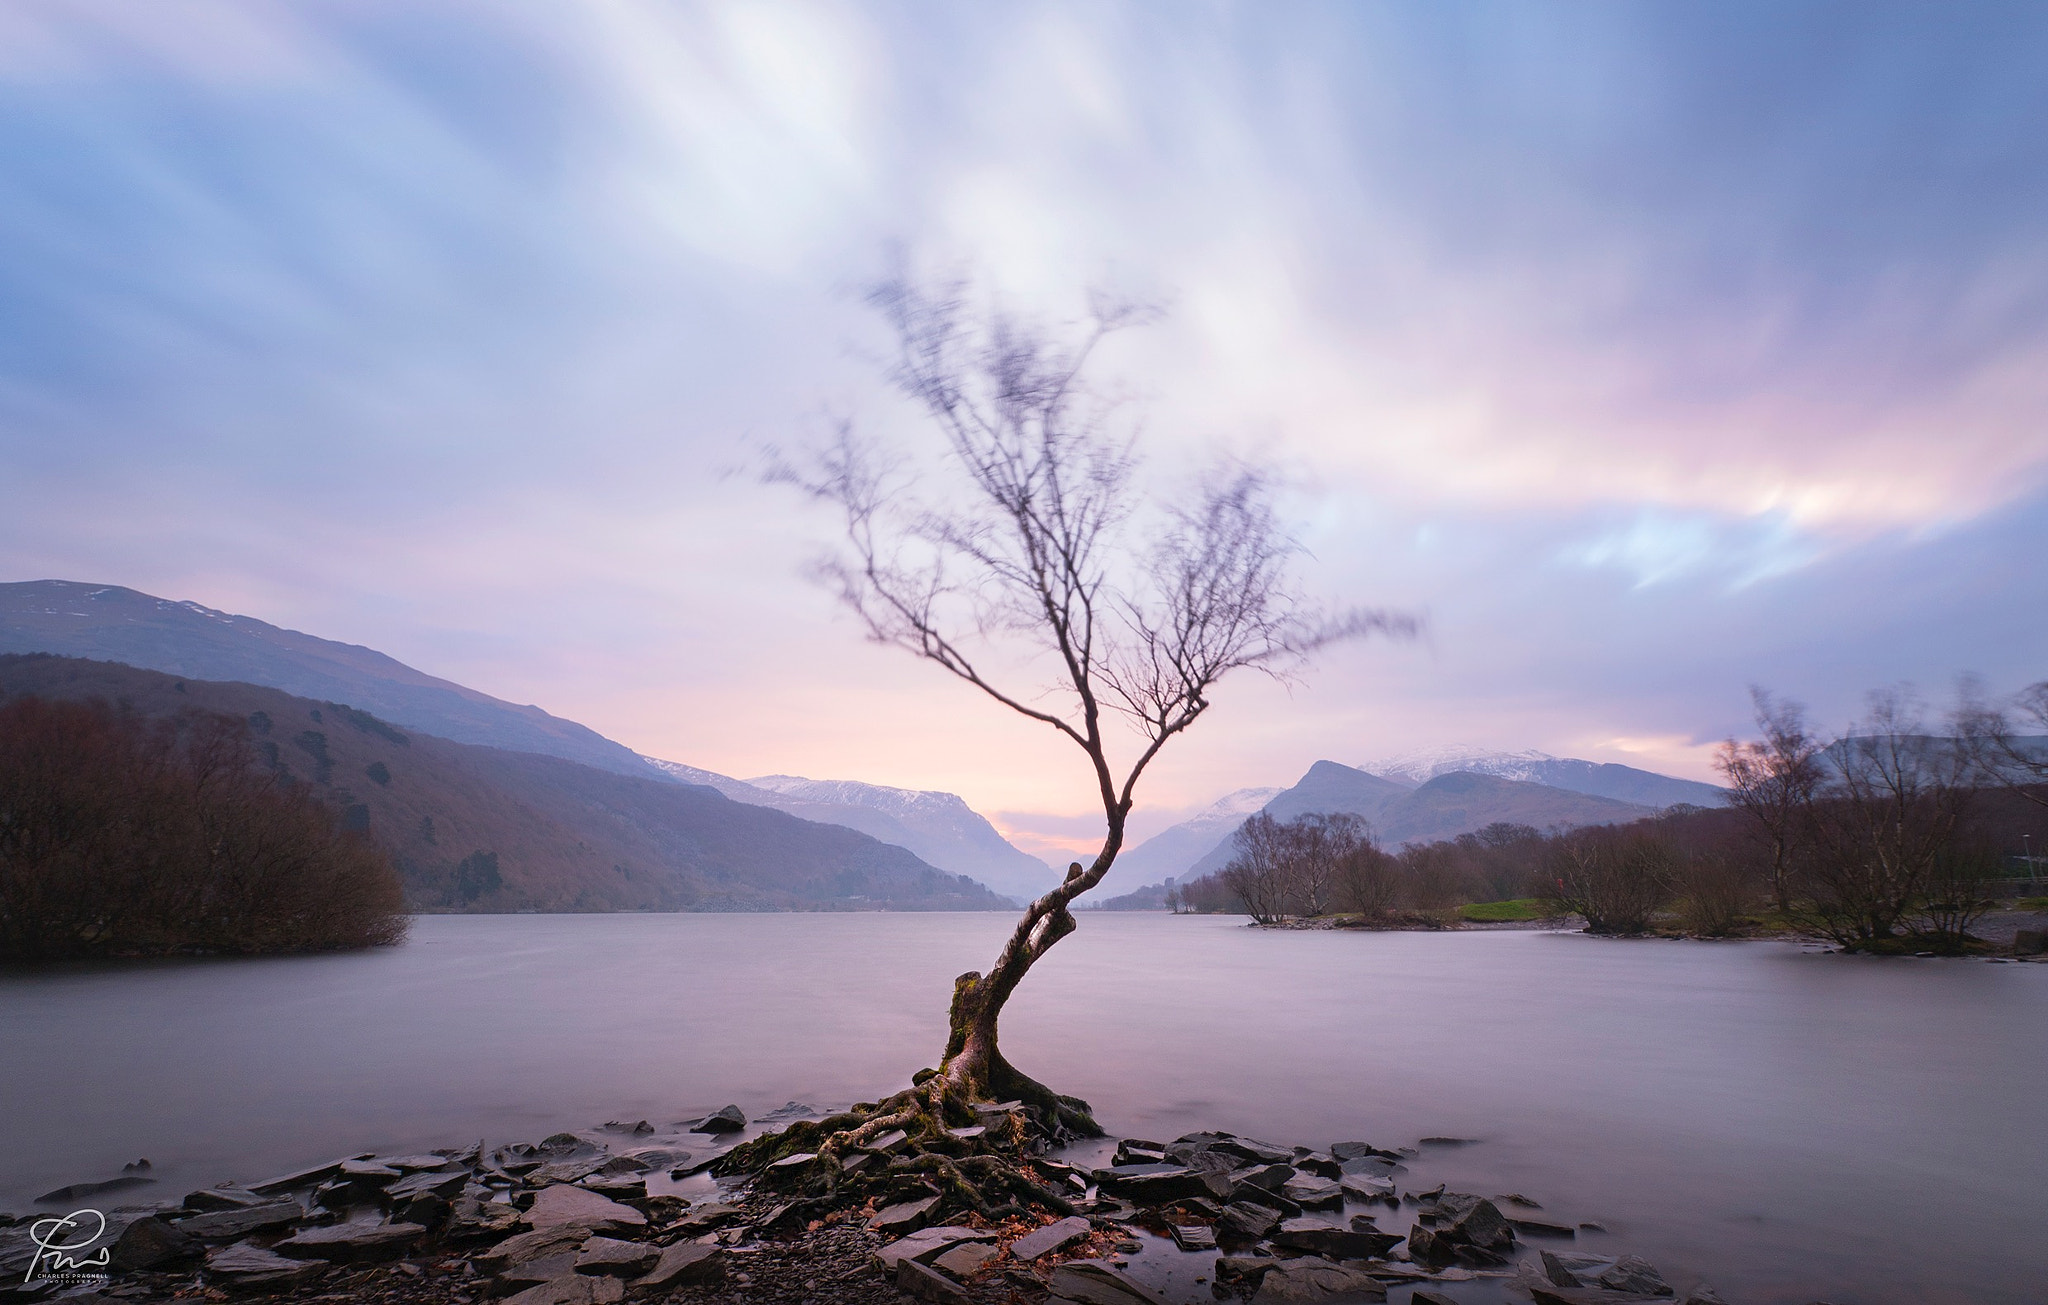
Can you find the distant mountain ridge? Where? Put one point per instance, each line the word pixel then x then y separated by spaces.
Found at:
pixel 1168 853
pixel 1599 779
pixel 115 624
pixel 487 829
pixel 1457 802
pixel 939 827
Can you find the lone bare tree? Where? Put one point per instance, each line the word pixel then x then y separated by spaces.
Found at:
pixel 1035 540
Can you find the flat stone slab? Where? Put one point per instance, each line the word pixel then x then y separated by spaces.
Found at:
pixel 1098 1282
pixel 230 1225
pixel 1316 1282
pixel 919 1283
pixel 906 1216
pixel 565 1204
pixel 575 1289
pixel 621 1259
pixel 1193 1236
pixel 560 1239
pixel 245 1266
pixel 1052 1237
pixel 301 1177
pixel 208 1200
pixel 1338 1243
pixel 682 1264
pixel 964 1259
pixel 350 1243
pixel 926 1243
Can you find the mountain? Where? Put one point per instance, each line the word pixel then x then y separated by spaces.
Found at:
pixel 1599 779
pixel 486 829
pixel 1446 806
pixel 1168 853
pixel 939 827
pixel 109 623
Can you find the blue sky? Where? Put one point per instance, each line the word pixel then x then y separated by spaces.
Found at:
pixel 1651 350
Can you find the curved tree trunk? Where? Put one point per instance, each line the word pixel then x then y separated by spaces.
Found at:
pixel 974 1068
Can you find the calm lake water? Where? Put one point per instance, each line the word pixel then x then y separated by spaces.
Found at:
pixel 1787 1124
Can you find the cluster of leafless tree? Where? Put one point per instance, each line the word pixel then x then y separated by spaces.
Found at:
pixel 1891 833
pixel 1872 836
pixel 1317 864
pixel 122 836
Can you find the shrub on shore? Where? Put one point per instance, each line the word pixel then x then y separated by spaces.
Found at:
pixel 126 837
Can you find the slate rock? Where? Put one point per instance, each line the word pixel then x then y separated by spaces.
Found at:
pixel 726 1120
pixel 1632 1273
pixel 682 1264
pixel 1338 1243
pixel 1243 1222
pixel 564 1203
pixel 1314 1162
pixel 1342 1151
pixel 1242 1268
pixel 1704 1295
pixel 1098 1282
pixel 368 1172
pixel 1466 1220
pixel 919 1283
pixel 297 1179
pixel 208 1200
pixel 565 1171
pixel 1158 1184
pixel 621 1259
pixel 1311 1193
pixel 542 1243
pixel 965 1258
pixel 351 1243
pixel 888 1141
pixel 446 1184
pixel 903 1217
pixel 150 1243
pixel 1052 1237
pixel 1559 1274
pixel 1193 1236
pixel 1269 1177
pixel 1313 1281
pixel 1135 1151
pixel 1253 1151
pixel 573 1289
pixel 1422 1297
pixel 233 1225
pixel 926 1243
pixel 1364 1187
pixel 531 1273
pixel 247 1267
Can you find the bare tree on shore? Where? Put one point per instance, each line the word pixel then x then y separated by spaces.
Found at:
pixel 1032 536
pixel 1774 778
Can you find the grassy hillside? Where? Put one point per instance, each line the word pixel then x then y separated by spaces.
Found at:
pixel 482 829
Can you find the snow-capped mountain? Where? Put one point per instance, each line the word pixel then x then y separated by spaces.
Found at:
pixel 1594 778
pixel 939 827
pixel 1168 853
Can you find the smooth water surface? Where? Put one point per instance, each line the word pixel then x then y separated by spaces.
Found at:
pixel 1788 1124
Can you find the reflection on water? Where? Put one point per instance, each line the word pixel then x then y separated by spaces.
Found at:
pixel 1788 1124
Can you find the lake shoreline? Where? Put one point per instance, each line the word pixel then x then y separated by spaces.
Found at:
pixel 628 1211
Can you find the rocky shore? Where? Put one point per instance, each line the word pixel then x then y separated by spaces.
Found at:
pixel 631 1213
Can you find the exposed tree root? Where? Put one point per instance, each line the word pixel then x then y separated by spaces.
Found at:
pixel 976 1154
